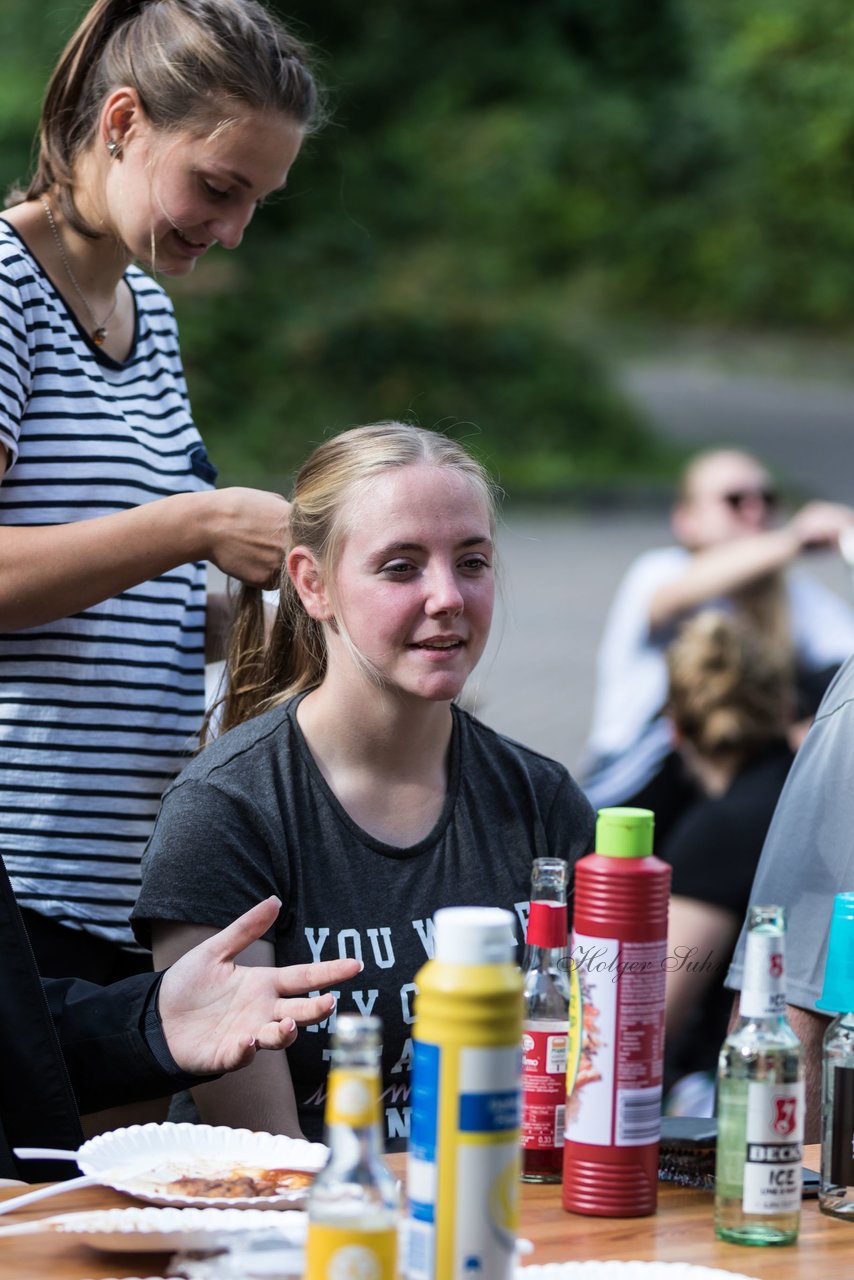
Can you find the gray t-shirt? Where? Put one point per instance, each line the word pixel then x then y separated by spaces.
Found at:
pixel 808 855
pixel 253 815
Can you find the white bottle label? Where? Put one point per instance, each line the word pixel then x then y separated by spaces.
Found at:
pixel 763 990
pixel 616 1098
pixel 774 1147
pixel 470 1135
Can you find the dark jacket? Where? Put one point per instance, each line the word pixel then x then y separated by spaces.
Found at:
pixel 68 1046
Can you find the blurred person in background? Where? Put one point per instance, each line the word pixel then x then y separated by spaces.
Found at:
pixel 734 554
pixel 807 858
pixel 108 510
pixel 730 702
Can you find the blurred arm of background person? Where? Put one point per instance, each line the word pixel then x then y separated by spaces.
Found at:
pixel 696 932
pixel 724 516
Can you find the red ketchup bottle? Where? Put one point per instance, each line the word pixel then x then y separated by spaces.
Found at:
pixel 545 1030
pixel 619 946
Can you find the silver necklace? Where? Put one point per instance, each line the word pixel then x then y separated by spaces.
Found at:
pixel 100 331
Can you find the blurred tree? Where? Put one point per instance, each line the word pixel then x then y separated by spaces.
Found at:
pixel 779 237
pixel 489 173
pixel 478 157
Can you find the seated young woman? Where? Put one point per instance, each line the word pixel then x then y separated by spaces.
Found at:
pixel 352 785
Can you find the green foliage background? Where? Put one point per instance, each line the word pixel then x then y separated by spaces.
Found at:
pixel 498 184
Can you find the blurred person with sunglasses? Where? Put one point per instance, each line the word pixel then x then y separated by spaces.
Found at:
pixel 733 552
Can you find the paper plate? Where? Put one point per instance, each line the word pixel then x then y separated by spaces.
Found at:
pixel 146 1160
pixel 625 1271
pixel 165 1230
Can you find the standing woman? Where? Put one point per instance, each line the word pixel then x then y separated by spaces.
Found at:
pixel 356 789
pixel 163 126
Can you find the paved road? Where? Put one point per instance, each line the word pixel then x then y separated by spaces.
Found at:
pixel 803 428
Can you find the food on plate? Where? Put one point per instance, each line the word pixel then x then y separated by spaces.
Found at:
pixel 242 1183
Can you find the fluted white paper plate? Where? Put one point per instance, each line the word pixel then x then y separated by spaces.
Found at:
pixel 625 1271
pixel 144 1159
pixel 161 1230
pixel 598 1271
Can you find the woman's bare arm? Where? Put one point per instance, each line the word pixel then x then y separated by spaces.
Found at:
pixel 53 571
pixel 810 1026
pixel 720 570
pixel 699 938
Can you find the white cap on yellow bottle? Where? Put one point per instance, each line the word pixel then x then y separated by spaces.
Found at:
pixel 475 935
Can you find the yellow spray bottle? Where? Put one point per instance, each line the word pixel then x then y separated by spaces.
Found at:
pixel 463 1169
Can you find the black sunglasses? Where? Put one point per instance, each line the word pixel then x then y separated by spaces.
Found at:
pixel 738 498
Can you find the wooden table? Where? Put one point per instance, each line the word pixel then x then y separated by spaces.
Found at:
pixel 681 1231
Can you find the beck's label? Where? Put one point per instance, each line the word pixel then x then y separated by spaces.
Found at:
pixel 773 1147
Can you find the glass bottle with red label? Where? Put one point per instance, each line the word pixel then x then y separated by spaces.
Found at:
pixel 758 1179
pixel 545 1029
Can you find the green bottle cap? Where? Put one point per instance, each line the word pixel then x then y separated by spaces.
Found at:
pixel 624 833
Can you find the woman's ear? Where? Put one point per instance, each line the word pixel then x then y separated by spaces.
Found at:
pixel 121 115
pixel 304 572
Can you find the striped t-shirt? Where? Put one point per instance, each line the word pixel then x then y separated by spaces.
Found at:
pixel 100 710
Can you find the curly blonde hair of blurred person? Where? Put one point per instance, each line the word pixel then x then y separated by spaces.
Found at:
pixel 731 693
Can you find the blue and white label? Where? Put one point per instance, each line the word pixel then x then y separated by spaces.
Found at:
pixel 421 1166
pixel 480 1152
pixel 490 1102
pixel 489 1112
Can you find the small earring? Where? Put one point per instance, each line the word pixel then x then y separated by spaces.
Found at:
pixel 113 147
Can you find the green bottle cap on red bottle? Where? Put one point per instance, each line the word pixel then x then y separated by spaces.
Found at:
pixel 624 832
